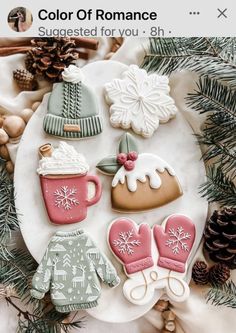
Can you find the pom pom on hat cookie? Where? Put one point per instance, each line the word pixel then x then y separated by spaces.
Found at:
pixel 73 111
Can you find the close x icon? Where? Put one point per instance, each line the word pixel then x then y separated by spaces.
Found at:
pixel 222 13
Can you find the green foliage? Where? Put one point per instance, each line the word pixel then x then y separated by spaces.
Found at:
pixel 223 295
pixel 127 144
pixel 219 131
pixel 218 138
pixel 219 187
pixel 17 270
pixel 8 215
pixel 214 59
pixel 212 56
pixel 49 322
pixel 109 165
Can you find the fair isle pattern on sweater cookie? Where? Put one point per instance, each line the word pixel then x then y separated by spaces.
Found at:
pixel 70 269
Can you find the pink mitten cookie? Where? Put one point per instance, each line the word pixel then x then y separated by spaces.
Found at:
pixel 65 183
pixel 131 244
pixel 174 240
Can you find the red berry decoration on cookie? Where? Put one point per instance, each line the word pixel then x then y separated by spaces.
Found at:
pixel 122 158
pixel 129 165
pixel 133 155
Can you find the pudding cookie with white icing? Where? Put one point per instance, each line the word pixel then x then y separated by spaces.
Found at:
pixel 140 101
pixel 141 181
pixel 73 111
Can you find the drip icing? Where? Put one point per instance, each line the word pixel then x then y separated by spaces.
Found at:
pixel 146 165
pixel 64 160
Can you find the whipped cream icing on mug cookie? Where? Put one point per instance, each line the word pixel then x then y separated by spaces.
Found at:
pixel 63 160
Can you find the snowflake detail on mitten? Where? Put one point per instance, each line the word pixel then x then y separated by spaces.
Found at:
pixel 176 240
pixel 65 198
pixel 125 242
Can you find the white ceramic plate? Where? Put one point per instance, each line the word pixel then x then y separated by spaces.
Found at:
pixel 173 142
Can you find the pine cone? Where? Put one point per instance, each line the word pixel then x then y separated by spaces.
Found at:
pixel 25 80
pixel 219 274
pixel 200 273
pixel 49 57
pixel 220 237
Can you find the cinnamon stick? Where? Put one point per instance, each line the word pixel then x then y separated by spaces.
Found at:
pixel 9 50
pixel 24 46
pixel 24 41
pixel 83 55
pixel 87 43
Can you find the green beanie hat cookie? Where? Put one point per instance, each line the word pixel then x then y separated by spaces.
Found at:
pixel 73 110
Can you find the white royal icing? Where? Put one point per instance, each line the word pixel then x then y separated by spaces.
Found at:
pixel 73 74
pixel 64 160
pixel 140 101
pixel 146 165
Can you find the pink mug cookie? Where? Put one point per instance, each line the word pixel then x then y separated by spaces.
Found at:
pixel 64 183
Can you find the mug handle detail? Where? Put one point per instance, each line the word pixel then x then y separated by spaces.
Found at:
pixel 98 189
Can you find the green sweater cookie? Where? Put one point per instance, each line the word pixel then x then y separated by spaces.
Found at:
pixel 69 269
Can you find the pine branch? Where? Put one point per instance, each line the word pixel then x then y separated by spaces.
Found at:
pixel 17 270
pixel 219 132
pixel 8 214
pixel 223 295
pixel 214 57
pixel 220 127
pixel 222 153
pixel 50 322
pixel 212 95
pixel 219 187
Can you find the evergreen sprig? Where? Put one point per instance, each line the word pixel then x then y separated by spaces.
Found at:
pixel 49 322
pixel 8 214
pixel 214 56
pixel 219 137
pixel 223 295
pixel 219 102
pixel 214 59
pixel 219 187
pixel 17 270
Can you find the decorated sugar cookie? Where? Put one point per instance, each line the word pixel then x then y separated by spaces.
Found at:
pixel 131 244
pixel 73 110
pixel 64 181
pixel 151 269
pixel 71 269
pixel 174 240
pixel 141 181
pixel 140 101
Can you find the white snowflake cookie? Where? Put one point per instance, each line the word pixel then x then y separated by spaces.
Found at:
pixel 140 101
